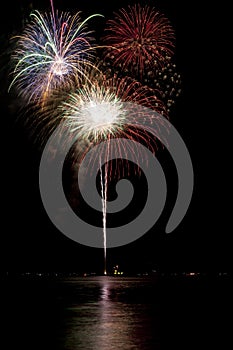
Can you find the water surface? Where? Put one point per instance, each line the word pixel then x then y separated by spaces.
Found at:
pixel 111 313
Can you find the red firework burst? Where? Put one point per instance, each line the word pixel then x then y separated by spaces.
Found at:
pixel 139 37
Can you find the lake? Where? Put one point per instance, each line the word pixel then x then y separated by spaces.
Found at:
pixel 111 313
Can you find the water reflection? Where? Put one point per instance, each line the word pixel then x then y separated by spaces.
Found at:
pixel 105 290
pixel 111 318
pixel 114 313
pixel 115 322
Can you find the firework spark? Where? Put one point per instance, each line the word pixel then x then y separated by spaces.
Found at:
pixel 95 113
pixel 52 52
pixel 166 80
pixel 138 37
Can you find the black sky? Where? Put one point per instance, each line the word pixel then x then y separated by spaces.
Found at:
pixel 29 241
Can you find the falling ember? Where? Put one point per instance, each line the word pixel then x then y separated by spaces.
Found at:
pixel 167 80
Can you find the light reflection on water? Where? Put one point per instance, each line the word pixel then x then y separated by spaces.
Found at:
pixel 115 314
pixel 111 313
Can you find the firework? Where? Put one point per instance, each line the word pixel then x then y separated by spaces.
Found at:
pixel 52 53
pixel 111 110
pixel 166 80
pixel 101 111
pixel 137 38
pixel 93 102
pixel 95 113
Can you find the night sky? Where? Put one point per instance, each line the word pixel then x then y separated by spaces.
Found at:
pixel 30 242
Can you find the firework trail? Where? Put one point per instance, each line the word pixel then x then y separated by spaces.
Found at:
pixel 95 113
pixel 138 38
pixel 52 53
pixel 103 181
